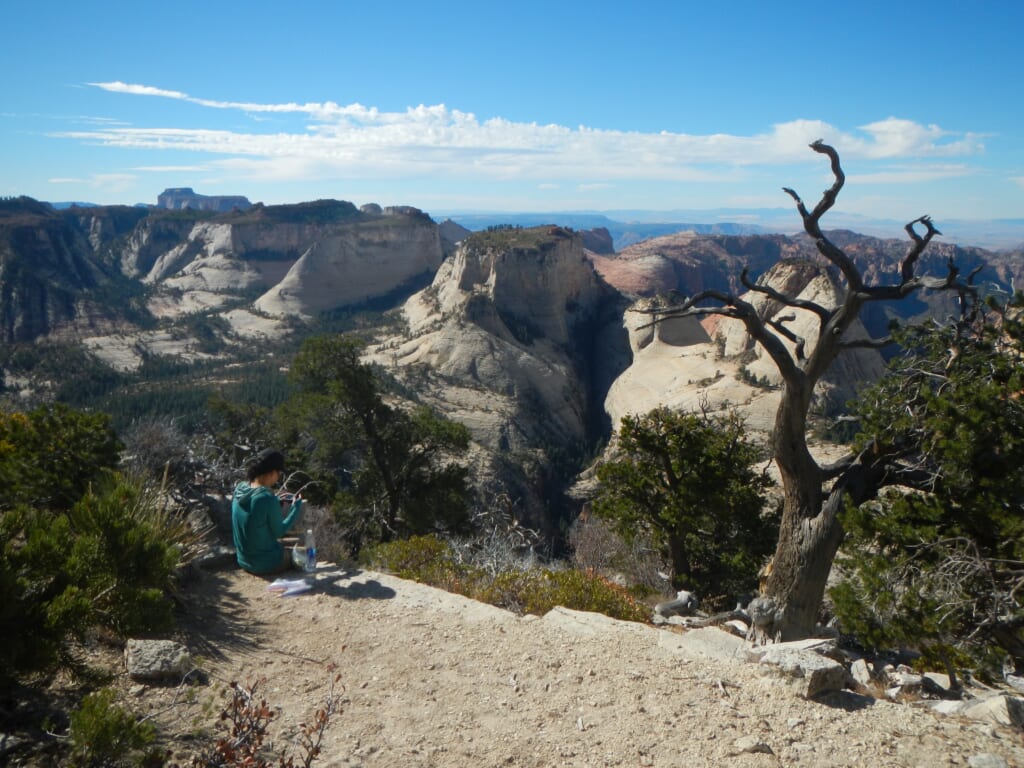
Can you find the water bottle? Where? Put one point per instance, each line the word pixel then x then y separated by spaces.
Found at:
pixel 310 566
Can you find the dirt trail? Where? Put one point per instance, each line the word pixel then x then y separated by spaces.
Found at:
pixel 434 679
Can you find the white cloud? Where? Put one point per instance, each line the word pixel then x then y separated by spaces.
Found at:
pixel 912 174
pixel 356 141
pixel 171 168
pixel 894 137
pixel 104 181
pixel 139 90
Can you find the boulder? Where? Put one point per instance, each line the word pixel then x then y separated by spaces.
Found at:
pixel 860 671
pixel 1001 709
pixel 711 642
pixel 157 660
pixel 987 760
pixel 808 673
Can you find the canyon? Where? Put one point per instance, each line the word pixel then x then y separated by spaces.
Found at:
pixel 538 339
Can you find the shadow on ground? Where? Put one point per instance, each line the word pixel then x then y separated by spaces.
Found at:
pixel 845 700
pixel 214 617
pixel 329 582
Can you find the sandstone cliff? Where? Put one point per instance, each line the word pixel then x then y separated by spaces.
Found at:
pixel 504 341
pixel 687 363
pixel 362 261
pixel 688 262
pixel 298 261
pixel 82 273
pixel 51 282
pixel 182 198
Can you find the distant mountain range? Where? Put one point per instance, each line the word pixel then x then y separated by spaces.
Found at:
pixel 631 226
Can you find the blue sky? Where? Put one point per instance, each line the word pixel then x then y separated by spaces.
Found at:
pixel 526 106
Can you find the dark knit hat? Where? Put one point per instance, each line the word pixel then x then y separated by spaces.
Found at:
pixel 267 460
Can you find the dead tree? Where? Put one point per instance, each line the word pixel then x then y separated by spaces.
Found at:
pixel 810 532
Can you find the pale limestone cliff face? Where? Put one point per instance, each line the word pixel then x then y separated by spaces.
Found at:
pixel 686 363
pixel 150 240
pixel 183 197
pixel 361 262
pixel 813 283
pixel 494 343
pixel 496 325
pixel 300 268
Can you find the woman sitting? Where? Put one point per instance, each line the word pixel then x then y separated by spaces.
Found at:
pixel 257 521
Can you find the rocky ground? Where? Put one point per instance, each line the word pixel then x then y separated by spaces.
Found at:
pixel 432 679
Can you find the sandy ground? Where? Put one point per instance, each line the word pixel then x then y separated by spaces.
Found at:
pixel 433 679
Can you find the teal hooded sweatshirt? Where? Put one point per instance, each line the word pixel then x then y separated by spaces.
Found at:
pixel 257 525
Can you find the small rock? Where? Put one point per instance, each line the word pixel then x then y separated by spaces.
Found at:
pixel 1016 682
pixel 909 681
pixel 937 680
pixel 949 707
pixel 751 745
pixel 737 627
pixel 156 660
pixel 987 760
pixel 861 672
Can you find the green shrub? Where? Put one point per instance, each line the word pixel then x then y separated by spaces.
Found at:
pixel 103 735
pixel 432 561
pixel 539 590
pixel 426 559
pixel 126 552
pixel 690 483
pixel 40 607
pixel 109 561
pixel 50 455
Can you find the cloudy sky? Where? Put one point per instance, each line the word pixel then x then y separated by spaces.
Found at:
pixel 526 106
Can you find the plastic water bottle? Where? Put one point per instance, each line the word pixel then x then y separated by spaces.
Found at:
pixel 310 551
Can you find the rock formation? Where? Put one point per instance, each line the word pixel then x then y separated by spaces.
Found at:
pixel 501 341
pixel 687 262
pixel 51 283
pixel 688 362
pixel 355 263
pixel 182 198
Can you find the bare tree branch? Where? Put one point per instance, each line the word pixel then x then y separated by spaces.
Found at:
pixel 734 307
pixel 867 343
pixel 920 243
pixel 811 306
pixel 812 224
pixel 778 324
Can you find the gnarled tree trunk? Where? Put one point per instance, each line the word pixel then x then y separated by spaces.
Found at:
pixel 810 532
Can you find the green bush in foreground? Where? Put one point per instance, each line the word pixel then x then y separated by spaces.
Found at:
pixel 690 482
pixel 433 561
pixel 103 735
pixel 110 561
pixel 938 566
